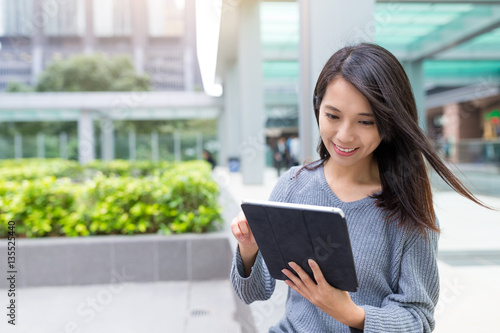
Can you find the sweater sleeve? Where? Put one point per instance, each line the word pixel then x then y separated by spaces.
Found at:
pixel 411 309
pixel 258 286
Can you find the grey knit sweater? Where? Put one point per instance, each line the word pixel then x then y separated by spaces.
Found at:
pixel 397 270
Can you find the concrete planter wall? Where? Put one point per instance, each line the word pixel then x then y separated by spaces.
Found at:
pixel 109 259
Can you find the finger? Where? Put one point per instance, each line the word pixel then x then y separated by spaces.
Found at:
pixel 243 225
pixel 294 287
pixel 235 229
pixel 304 277
pixel 317 273
pixel 293 278
pixel 296 284
pixel 238 218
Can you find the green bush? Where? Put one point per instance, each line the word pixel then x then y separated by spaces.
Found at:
pixel 40 207
pixel 181 198
pixel 32 168
pixel 128 168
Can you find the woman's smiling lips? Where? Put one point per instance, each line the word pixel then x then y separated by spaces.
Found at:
pixel 344 151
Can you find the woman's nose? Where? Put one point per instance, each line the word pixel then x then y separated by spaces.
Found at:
pixel 345 133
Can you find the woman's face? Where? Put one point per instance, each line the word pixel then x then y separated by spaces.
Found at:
pixel 347 124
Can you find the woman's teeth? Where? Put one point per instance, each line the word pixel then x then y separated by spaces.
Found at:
pixel 345 150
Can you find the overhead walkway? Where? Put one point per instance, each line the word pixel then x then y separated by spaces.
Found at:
pixel 123 105
pixel 85 107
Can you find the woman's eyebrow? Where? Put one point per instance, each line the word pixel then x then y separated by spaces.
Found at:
pixel 366 114
pixel 333 108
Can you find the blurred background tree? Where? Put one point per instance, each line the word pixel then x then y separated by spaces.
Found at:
pixel 92 73
pixel 14 87
pixel 95 72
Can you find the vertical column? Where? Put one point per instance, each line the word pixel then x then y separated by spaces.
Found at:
pixel 107 139
pixel 251 106
pixel 222 136
pixel 131 145
pixel 199 145
pixel 451 129
pixel 86 144
pixel 177 146
pixel 18 146
pixel 63 145
pixel 189 44
pixel 140 33
pixel 37 41
pixel 154 146
pixel 415 73
pixel 461 121
pixel 325 27
pixel 471 124
pixel 229 120
pixel 40 145
pixel 89 37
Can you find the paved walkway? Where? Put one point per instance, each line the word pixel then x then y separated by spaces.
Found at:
pixel 166 307
pixel 469 269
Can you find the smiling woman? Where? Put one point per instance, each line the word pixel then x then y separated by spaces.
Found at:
pixel 372 166
pixel 347 127
pixel 368 79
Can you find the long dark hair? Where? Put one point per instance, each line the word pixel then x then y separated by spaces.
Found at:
pixel 406 194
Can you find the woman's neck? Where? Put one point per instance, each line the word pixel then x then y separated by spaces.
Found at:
pixel 352 183
pixel 360 174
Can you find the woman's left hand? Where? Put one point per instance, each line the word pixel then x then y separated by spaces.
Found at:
pixel 334 302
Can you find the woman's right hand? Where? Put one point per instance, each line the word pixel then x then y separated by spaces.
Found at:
pixel 242 233
pixel 246 242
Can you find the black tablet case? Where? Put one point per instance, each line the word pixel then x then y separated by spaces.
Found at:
pixel 297 234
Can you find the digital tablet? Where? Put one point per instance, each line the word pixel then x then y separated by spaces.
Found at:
pixel 288 232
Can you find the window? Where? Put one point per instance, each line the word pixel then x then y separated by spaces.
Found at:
pixel 112 18
pixel 165 18
pixel 64 18
pixel 16 18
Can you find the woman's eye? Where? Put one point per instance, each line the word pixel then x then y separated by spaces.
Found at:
pixel 331 116
pixel 367 122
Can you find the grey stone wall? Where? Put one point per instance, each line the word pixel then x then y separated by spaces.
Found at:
pixel 112 259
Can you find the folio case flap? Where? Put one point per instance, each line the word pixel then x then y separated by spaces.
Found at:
pixel 298 233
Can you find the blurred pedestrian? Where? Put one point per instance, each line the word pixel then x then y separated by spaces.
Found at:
pixel 207 156
pixel 293 144
pixel 280 155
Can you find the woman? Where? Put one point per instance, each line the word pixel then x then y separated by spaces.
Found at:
pixel 371 166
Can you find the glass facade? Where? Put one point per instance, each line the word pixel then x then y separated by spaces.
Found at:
pixel 112 18
pixel 64 18
pixel 166 18
pixel 16 18
pixel 408 30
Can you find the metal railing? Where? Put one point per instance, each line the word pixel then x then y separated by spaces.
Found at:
pixel 153 146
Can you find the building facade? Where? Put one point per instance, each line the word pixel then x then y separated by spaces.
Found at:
pixel 159 35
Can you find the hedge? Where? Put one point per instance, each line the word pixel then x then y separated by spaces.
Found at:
pixel 180 198
pixel 32 168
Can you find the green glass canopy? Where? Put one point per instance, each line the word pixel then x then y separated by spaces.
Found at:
pixel 459 44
